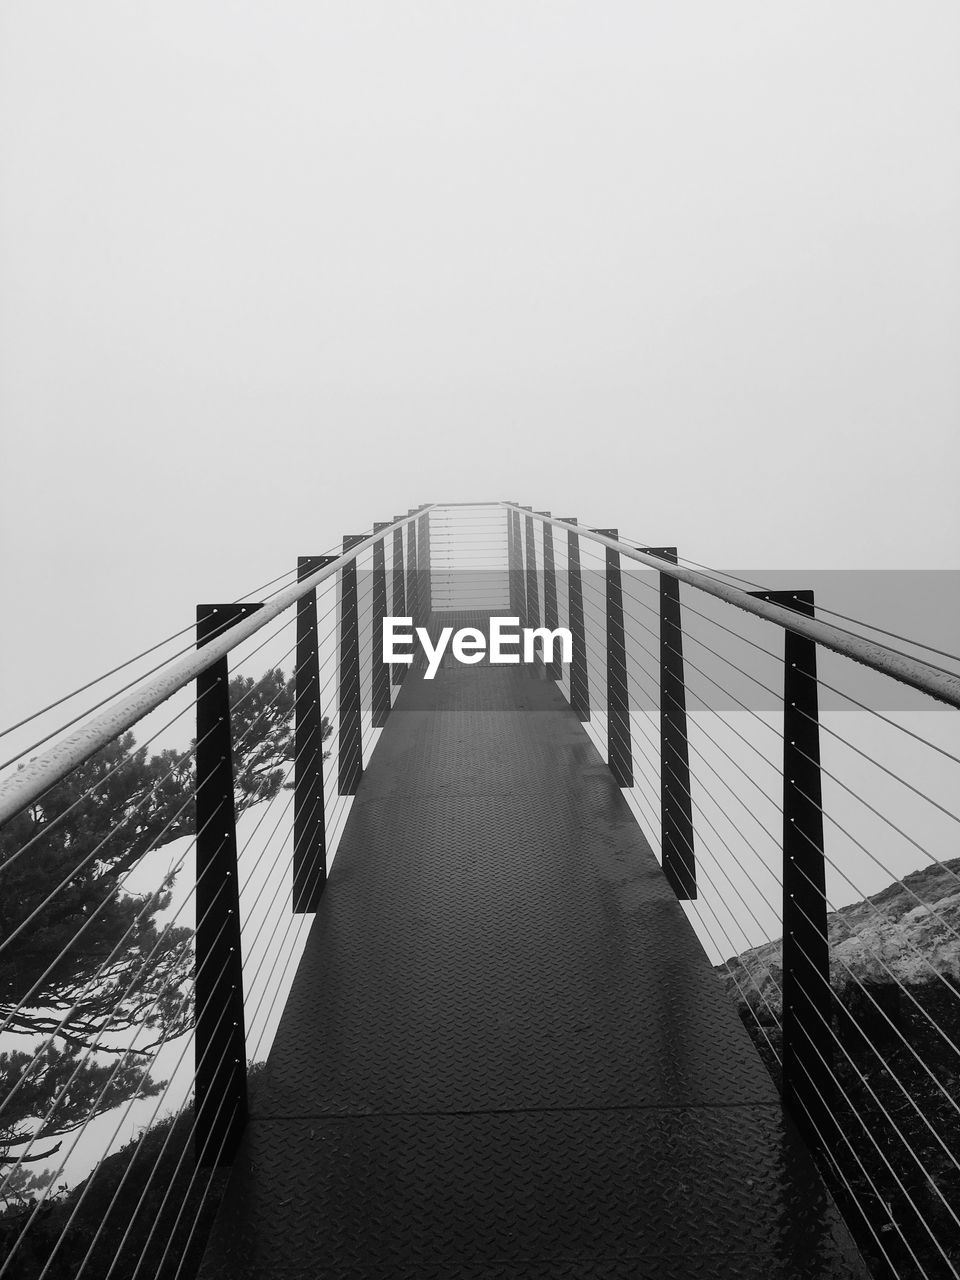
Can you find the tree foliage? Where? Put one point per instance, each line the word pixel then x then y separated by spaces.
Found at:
pixel 94 966
pixel 144 1203
pixel 262 719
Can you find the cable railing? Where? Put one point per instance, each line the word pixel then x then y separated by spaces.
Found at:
pixel 140 999
pixel 776 845
pixel 139 996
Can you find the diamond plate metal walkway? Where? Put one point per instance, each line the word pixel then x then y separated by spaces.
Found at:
pixel 505 1053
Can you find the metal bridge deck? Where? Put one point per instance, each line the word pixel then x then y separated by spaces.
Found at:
pixel 505 1053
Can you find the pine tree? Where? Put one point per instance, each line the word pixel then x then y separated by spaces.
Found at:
pixel 94 965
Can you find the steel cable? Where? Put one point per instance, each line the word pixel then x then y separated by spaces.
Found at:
pixel 156 1110
pixel 142 969
pixel 928 1177
pixel 189 1137
pixel 896 879
pixel 864 1080
pixel 179 1060
pixel 47 829
pixel 824 683
pixel 876 812
pixel 849 970
pixel 882 915
pixel 866 804
pixel 92 1176
pixel 60 1169
pixel 829 1067
pixel 146 907
pixel 122 666
pixel 867 1040
pixel 190 1134
pixel 48 1043
pixel 718 574
pixel 90 790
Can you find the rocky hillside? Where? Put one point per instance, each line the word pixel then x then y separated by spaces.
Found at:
pixel 892 934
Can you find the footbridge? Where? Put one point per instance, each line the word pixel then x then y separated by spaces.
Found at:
pixel 451 1000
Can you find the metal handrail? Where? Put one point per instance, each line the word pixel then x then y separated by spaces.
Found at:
pixel 45 770
pixel 911 671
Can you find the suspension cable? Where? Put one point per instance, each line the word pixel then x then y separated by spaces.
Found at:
pixel 857 622
pixel 152 845
pixel 122 666
pixel 856 888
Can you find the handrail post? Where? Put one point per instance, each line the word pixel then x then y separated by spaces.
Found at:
pixel 533 588
pixel 379 670
pixel 413 594
pixel 350 740
pixel 579 678
pixel 619 736
pixel 399 594
pixel 424 592
pixel 521 578
pixel 807 997
pixel 551 617
pixel 220 1053
pixel 514 565
pixel 309 817
pixel 676 805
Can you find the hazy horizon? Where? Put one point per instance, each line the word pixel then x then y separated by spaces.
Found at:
pixel 689 270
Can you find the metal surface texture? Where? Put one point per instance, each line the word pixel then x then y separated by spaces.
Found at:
pixel 660 1194
pixel 504 1052
pixel 942 685
pixel 42 771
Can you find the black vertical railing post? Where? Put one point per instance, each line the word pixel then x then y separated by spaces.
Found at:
pixel 399 592
pixel 521 578
pixel 350 739
pixel 676 804
pixel 579 679
pixel 424 592
pixel 533 587
pixel 413 594
pixel 513 567
pixel 309 817
pixel 220 1038
pixel 379 670
pixel 807 998
pixel 551 616
pixel 619 737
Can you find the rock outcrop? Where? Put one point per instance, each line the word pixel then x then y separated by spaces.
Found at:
pixel 906 933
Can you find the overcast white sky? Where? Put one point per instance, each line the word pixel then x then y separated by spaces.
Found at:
pixel 269 272
pixel 272 271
